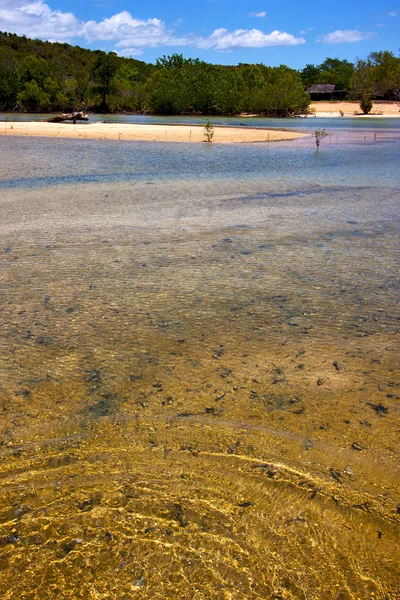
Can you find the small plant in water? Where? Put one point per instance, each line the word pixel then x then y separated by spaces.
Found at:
pixel 320 134
pixel 208 132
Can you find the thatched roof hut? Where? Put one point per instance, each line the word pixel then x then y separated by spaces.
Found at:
pixel 322 91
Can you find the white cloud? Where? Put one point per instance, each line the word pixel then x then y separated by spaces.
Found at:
pixel 221 39
pixel 123 26
pixel 37 19
pixel 259 15
pixel 393 13
pixel 130 52
pixel 129 35
pixel 345 36
pixel 303 31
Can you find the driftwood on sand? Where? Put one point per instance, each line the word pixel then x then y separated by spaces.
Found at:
pixel 74 117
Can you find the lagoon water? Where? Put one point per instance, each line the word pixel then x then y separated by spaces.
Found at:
pixel 199 377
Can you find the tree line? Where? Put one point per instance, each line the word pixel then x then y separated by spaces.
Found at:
pixel 37 76
pixel 376 77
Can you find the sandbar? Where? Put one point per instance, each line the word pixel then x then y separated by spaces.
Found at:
pixel 335 108
pixel 150 133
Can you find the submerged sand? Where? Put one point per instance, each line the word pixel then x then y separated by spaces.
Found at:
pixel 199 384
pixel 351 109
pixel 150 133
pixel 199 392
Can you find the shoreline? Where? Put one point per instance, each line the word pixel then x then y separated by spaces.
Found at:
pixel 194 133
pixel 146 132
pixel 341 108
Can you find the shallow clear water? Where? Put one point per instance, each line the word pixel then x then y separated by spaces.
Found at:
pixel 356 123
pixel 199 369
pixel 345 158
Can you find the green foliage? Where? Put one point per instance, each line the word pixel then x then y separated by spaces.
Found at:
pixel 362 81
pixel 191 86
pixel 310 75
pixel 366 104
pixel 332 70
pixel 43 76
pixel 338 72
pixel 386 74
pixel 208 132
pixel 33 98
pixel 36 75
pixel 10 78
pixel 377 76
pixel 66 77
pixel 104 72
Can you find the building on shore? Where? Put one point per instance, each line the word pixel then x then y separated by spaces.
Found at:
pixel 326 91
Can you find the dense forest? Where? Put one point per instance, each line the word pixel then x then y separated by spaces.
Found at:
pixel 37 76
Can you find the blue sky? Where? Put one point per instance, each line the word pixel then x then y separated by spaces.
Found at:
pixel 219 31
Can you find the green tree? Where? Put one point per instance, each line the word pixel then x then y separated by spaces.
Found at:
pixel 338 72
pixel 229 90
pixel 362 80
pixel 10 79
pixel 282 93
pixel 171 85
pixel 204 83
pixel 386 74
pixel 104 71
pixel 175 61
pixel 34 68
pixel 332 70
pixel 378 75
pixel 33 98
pixel 310 75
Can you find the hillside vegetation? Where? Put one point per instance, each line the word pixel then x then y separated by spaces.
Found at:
pixel 37 76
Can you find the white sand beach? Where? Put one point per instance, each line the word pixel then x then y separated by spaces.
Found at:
pixel 335 108
pixel 151 133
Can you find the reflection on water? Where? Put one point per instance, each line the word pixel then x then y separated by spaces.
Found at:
pixel 199 377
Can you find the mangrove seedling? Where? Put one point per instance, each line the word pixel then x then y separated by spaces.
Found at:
pixel 320 134
pixel 208 132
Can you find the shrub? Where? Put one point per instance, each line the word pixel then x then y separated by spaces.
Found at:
pixel 366 104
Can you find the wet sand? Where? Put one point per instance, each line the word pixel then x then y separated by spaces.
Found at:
pixel 153 133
